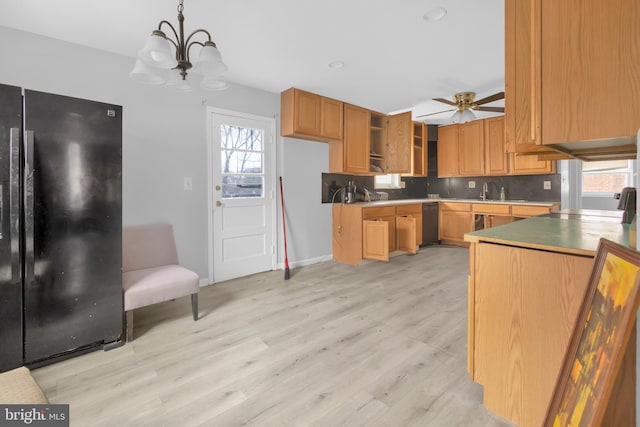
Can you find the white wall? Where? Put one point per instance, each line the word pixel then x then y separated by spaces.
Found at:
pixel 164 140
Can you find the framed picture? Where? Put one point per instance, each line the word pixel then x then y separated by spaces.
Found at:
pixel 599 340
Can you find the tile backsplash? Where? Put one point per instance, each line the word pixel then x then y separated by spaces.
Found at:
pixel 526 187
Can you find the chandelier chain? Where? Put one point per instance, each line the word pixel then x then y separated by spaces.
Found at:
pixel 181 6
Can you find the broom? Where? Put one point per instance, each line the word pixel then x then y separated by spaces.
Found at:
pixel 284 230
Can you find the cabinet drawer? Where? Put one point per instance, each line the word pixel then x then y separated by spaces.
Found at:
pixel 453 206
pixel 377 212
pixel 491 209
pixel 409 209
pixel 518 210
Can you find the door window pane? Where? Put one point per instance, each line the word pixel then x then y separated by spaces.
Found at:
pixel 242 162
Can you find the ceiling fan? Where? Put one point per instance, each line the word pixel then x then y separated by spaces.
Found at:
pixel 464 103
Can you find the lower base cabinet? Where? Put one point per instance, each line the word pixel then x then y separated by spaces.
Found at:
pixel 455 220
pixel 375 232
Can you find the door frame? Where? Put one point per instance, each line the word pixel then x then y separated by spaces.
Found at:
pixel 271 165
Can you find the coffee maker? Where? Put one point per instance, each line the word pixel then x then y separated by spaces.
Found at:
pixel 350 193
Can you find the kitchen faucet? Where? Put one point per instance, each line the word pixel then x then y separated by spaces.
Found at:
pixel 485 190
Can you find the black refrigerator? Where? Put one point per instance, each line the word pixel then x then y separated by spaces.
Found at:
pixel 61 226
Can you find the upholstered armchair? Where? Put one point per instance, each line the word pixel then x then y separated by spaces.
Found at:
pixel 151 272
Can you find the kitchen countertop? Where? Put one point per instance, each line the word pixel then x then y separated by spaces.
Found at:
pixel 410 201
pixel 568 231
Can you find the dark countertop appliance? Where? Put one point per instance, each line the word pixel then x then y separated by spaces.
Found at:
pixel 60 226
pixel 627 204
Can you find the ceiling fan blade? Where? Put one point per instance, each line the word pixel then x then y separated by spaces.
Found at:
pixel 494 109
pixel 494 97
pixel 446 101
pixel 439 112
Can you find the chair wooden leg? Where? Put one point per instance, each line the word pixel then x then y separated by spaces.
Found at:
pixel 129 325
pixel 194 306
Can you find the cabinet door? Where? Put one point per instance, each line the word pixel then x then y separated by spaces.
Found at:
pixel 375 239
pixel 356 139
pixel 307 112
pixel 406 230
pixel 331 118
pixel 590 51
pixel 420 152
pixel 522 109
pixel 399 143
pixel 412 211
pixel 471 148
pixel 495 151
pixel 453 225
pixel 530 165
pixel 448 151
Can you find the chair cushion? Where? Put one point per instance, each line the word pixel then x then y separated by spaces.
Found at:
pixel 157 284
pixel 18 387
pixel 148 246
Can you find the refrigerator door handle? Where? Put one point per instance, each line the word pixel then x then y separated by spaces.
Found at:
pixel 28 205
pixel 14 201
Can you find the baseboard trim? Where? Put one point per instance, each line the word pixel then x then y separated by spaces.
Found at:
pixel 304 262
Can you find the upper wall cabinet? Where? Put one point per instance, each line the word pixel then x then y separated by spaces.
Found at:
pixel 478 148
pixel 306 115
pixel 572 79
pixel 448 151
pixel 373 143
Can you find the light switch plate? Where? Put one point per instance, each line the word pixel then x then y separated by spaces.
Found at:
pixel 472 184
pixel 547 185
pixel 188 183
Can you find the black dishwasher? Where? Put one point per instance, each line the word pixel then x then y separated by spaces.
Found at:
pixel 430 223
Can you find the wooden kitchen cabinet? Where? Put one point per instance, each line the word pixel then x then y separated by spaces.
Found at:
pixel 357 139
pixel 569 68
pixel 374 232
pixel 448 163
pixel 471 148
pixel 372 143
pixel 399 143
pixel 309 116
pixel 455 219
pixel 526 211
pixel 496 158
pixel 411 211
pixel 522 164
pixel 420 153
pixel 385 216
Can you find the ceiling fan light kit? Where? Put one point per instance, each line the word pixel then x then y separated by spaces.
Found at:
pixel 166 60
pixel 465 105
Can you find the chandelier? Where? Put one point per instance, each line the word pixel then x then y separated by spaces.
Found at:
pixel 166 60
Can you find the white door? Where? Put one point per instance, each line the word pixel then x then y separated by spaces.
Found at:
pixel 241 196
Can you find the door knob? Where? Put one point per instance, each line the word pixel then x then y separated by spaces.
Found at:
pixel 217 187
pixel 218 203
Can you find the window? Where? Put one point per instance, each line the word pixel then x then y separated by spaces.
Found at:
pixel 606 177
pixel 242 161
pixel 391 180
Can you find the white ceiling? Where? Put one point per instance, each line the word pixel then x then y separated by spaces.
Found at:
pixel 394 59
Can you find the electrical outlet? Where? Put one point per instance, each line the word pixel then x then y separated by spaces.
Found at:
pixel 472 184
pixel 547 185
pixel 188 183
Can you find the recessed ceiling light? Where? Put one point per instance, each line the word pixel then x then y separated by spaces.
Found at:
pixel 435 14
pixel 336 64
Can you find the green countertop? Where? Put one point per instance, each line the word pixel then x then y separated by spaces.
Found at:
pixel 567 232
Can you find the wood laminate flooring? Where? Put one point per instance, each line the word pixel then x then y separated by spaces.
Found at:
pixel 383 344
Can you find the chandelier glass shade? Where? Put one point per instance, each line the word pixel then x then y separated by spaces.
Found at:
pixel 167 60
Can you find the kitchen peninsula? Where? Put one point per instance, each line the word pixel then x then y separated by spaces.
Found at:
pixel 527 282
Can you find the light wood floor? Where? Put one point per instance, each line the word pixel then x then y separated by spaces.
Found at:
pixel 378 345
